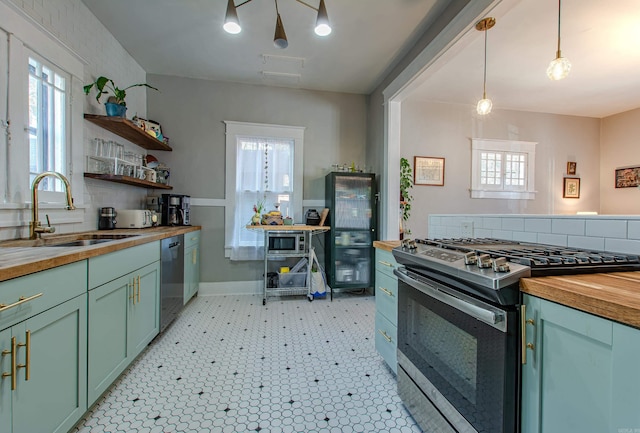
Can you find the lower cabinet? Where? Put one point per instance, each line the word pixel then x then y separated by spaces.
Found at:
pixel 386 321
pixel 44 360
pixel 191 264
pixel 581 372
pixel 124 314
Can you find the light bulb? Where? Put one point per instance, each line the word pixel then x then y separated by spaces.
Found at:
pixel 231 27
pixel 484 106
pixel 558 68
pixel 323 29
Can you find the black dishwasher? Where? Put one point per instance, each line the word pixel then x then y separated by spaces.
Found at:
pixel 171 279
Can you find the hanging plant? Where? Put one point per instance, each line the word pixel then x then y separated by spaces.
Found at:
pixel 406 183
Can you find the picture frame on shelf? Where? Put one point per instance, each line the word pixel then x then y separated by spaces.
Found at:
pixel 571 187
pixel 571 168
pixel 428 171
pixel 627 177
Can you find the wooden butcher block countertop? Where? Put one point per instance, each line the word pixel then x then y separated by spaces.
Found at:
pixel 386 245
pixel 615 296
pixel 17 259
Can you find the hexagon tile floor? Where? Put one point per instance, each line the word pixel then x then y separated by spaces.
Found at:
pixel 230 364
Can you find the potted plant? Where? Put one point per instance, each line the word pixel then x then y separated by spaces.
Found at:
pixel 406 183
pixel 115 105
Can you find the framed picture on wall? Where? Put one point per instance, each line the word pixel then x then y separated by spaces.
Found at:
pixel 627 177
pixel 571 168
pixel 571 187
pixel 428 171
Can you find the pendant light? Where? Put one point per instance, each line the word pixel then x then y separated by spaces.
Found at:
pixel 560 66
pixel 280 37
pixel 231 22
pixel 485 104
pixel 323 28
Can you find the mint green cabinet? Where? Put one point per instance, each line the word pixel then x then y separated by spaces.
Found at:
pixel 124 312
pixel 386 320
pixel 581 372
pixel 191 264
pixel 51 362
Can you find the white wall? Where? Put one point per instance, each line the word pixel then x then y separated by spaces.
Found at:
pixel 445 130
pixel 71 24
pixel 619 147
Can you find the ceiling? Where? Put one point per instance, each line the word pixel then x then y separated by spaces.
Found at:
pixel 601 38
pixel 185 38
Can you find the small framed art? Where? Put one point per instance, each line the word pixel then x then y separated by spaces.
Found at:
pixel 428 171
pixel 627 177
pixel 571 168
pixel 571 187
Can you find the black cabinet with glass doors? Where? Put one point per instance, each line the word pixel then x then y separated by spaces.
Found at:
pixel 350 198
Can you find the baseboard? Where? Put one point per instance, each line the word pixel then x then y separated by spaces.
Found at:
pixel 231 288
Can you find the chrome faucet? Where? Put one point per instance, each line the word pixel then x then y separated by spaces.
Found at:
pixel 35 228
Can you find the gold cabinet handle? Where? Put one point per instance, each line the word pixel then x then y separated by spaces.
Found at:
pixel 384 334
pixel 138 288
pixel 194 238
pixel 132 286
pixel 385 263
pixel 27 364
pixel 523 326
pixel 387 291
pixel 193 256
pixel 13 351
pixel 21 300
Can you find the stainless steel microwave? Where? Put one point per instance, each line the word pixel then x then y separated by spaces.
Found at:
pixel 286 243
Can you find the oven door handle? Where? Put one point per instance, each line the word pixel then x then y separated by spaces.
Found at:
pixel 495 319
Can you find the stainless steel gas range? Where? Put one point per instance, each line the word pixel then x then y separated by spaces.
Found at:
pixel 459 325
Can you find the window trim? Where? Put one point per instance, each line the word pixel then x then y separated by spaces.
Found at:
pixel 478 145
pixel 234 129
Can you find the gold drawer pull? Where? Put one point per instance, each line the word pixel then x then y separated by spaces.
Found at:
pixel 193 256
pixel 13 352
pixel 384 334
pixel 194 238
pixel 27 364
pixel 132 286
pixel 387 291
pixel 385 263
pixel 21 300
pixel 138 288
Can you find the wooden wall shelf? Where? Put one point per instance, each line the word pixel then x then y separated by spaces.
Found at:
pixel 127 180
pixel 125 128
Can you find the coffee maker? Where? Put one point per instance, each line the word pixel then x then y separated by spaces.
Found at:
pixel 107 220
pixel 175 210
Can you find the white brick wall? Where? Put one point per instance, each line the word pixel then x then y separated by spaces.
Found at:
pixel 598 232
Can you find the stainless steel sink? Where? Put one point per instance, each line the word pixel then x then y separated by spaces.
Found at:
pixel 71 240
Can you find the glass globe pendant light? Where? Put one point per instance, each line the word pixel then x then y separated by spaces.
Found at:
pixel 484 105
pixel 560 66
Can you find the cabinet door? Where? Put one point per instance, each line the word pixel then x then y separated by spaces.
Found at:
pixel 191 272
pixel 144 308
pixel 55 396
pixel 567 379
pixel 5 382
pixel 108 350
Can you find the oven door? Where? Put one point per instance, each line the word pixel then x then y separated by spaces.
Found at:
pixel 461 353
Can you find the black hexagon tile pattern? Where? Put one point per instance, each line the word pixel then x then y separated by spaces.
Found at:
pixel 228 364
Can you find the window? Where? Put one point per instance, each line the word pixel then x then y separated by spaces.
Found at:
pixel 47 122
pixel 503 169
pixel 264 165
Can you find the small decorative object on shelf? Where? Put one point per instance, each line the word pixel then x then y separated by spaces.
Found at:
pixel 116 105
pixel 257 210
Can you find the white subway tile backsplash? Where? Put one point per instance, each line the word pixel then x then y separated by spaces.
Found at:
pixel 608 228
pixel 525 237
pixel 502 234
pixel 633 230
pixel 591 243
pixel 538 225
pixel 622 246
pixel 552 239
pixel 492 223
pixel 568 226
pixel 515 224
pixel 482 233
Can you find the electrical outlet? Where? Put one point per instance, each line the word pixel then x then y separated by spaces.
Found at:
pixel 466 229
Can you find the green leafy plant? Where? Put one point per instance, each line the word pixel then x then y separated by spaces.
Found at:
pixel 406 183
pixel 118 96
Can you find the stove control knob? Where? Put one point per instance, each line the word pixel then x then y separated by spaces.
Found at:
pixel 470 258
pixel 484 261
pixel 500 265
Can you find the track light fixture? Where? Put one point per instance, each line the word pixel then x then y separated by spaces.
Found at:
pixel 485 104
pixel 232 23
pixel 560 66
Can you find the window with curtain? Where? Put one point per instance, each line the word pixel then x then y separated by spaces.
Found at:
pixel 265 168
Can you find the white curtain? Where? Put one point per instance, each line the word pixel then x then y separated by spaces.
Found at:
pixel 264 174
